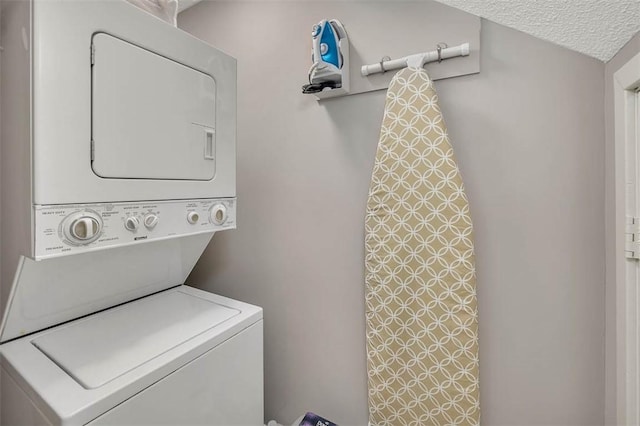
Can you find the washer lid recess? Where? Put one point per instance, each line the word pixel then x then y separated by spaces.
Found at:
pixel 104 346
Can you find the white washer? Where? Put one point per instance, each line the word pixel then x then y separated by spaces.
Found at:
pixel 181 356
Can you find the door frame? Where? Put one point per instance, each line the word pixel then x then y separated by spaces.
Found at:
pixel 626 82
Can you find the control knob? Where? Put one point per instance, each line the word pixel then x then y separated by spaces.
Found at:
pixel 82 228
pixel 218 214
pixel 131 223
pixel 193 217
pixel 150 221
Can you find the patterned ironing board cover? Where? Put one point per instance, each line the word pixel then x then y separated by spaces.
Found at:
pixel 421 310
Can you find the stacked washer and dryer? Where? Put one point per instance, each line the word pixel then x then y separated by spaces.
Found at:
pixel 118 165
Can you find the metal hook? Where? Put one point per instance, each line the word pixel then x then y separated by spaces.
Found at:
pixel 384 58
pixel 439 48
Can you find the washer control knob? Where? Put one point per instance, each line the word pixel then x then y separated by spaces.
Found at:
pixel 150 221
pixel 218 214
pixel 82 227
pixel 131 223
pixel 193 218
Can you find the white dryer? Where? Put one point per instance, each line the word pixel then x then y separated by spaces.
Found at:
pixel 120 144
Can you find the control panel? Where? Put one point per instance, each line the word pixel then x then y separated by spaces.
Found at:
pixel 66 229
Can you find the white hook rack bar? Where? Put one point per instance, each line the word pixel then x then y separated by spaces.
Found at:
pixel 417 60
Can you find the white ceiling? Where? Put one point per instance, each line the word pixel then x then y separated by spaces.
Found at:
pixel 598 28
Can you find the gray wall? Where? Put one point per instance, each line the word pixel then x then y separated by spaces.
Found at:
pixel 1 5
pixel 15 167
pixel 528 132
pixel 622 57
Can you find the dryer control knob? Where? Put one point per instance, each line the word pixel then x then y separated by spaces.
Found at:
pixel 131 223
pixel 193 217
pixel 218 214
pixel 150 221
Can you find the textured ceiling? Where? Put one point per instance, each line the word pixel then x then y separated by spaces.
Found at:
pixel 185 4
pixel 597 28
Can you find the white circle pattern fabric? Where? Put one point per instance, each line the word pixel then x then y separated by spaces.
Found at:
pixel 421 309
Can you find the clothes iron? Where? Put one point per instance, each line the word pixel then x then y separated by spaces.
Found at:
pixel 329 38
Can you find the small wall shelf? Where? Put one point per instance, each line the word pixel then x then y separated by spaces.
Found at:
pixel 344 90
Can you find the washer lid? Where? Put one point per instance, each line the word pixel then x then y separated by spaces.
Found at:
pixel 102 347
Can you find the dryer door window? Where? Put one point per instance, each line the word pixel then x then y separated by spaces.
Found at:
pixel 152 118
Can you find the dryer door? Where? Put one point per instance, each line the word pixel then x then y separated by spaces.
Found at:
pixel 152 117
pixel 149 115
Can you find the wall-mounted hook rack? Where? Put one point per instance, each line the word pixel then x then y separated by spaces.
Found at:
pixel 416 61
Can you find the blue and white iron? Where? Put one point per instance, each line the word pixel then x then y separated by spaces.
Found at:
pixel 328 37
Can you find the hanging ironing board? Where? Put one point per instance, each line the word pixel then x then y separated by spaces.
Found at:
pixel 421 311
